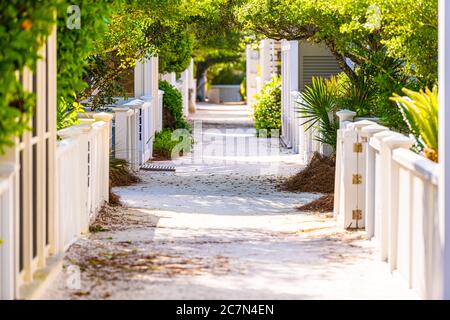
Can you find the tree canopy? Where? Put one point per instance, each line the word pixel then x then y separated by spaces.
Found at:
pixel 392 43
pixel 354 29
pixel 24 25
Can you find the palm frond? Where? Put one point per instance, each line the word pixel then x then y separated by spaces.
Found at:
pixel 421 113
pixel 317 105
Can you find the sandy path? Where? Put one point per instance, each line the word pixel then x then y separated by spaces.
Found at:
pixel 222 230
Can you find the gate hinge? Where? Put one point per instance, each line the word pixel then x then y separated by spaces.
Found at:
pixel 357 147
pixel 357 214
pixel 357 179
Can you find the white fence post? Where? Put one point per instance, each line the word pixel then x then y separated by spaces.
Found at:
pixel 387 147
pixel 352 176
pixel 123 134
pixel 366 133
pixel 147 129
pixel 106 152
pixel 344 116
pixel 136 131
pixel 382 200
pixel 73 199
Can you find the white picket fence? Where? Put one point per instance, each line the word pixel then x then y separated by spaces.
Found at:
pixel 82 177
pixel 135 125
pixel 384 187
pixel 8 172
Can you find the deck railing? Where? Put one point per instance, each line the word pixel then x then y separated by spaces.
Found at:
pixel 384 187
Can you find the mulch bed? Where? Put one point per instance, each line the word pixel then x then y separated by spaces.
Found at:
pixel 114 218
pixel 114 199
pixel 160 157
pixel 121 175
pixel 318 176
pixel 322 205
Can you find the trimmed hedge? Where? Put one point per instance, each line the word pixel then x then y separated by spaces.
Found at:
pixel 267 109
pixel 173 117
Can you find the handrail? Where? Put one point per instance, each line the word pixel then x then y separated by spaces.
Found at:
pixel 426 169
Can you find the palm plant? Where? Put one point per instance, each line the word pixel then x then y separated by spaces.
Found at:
pixel 359 95
pixel 317 104
pixel 420 110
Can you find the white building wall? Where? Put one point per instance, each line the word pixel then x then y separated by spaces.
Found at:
pixel 444 146
pixel 252 73
pixel 300 61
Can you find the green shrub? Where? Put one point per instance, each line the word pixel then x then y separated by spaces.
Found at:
pixel 267 109
pixel 175 49
pixel 421 113
pixel 163 145
pixel 318 106
pixel 24 26
pixel 173 117
pixel 167 140
pixel 358 95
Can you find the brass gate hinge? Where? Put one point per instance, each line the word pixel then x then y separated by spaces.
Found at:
pixel 357 147
pixel 357 179
pixel 357 214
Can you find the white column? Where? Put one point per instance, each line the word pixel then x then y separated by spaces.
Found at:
pixel 444 147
